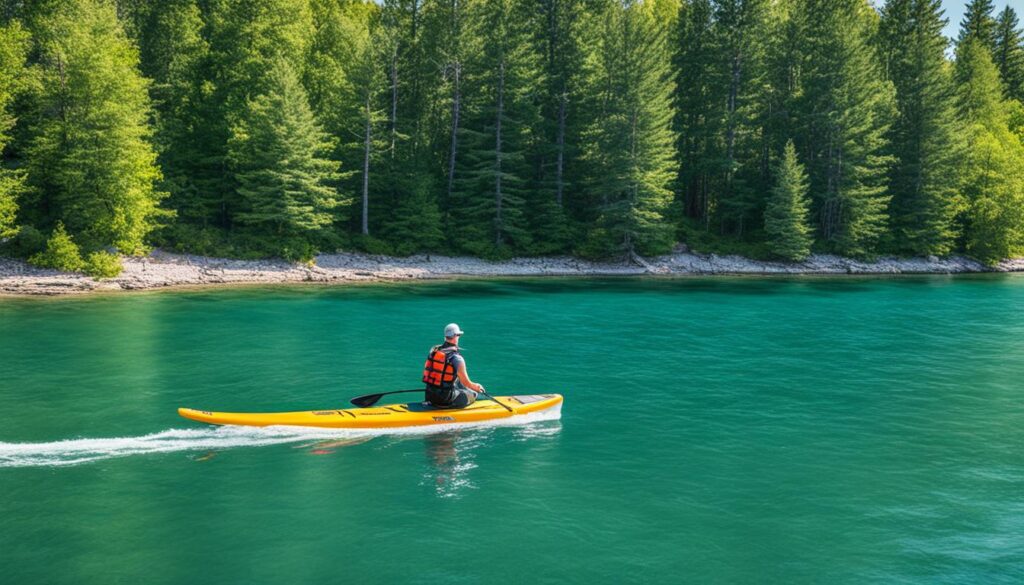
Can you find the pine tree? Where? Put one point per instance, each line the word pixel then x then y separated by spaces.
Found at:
pixel 994 185
pixel 741 31
pixel 785 217
pixel 347 82
pixel 449 46
pixel 630 144
pixel 925 139
pixel 783 65
pixel 502 121
pixel 14 45
pixel 277 153
pixel 1009 55
pixel 245 40
pixel 407 188
pixel 842 113
pixel 979 24
pixel 697 121
pixel 92 159
pixel 554 195
pixel 173 52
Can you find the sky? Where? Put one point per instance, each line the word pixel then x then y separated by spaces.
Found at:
pixel 955 12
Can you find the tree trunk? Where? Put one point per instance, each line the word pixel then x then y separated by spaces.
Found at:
pixel 456 110
pixel 559 168
pixel 498 228
pixel 366 170
pixel 394 99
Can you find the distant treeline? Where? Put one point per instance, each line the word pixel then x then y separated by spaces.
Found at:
pixel 497 127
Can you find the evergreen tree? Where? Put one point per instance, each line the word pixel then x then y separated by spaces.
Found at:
pixel 14 45
pixel 555 191
pixel 347 82
pixel 245 41
pixel 721 85
pixel 91 160
pixel 979 24
pixel 502 120
pixel 786 215
pixel 697 121
pixel 449 46
pixel 993 185
pixel 629 150
pixel 407 187
pixel 842 113
pixel 277 153
pixel 172 53
pixel 1009 55
pixel 925 138
pixel 740 30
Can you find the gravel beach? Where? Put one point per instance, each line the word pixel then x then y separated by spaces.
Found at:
pixel 162 269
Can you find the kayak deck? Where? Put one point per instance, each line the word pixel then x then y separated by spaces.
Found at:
pixel 386 416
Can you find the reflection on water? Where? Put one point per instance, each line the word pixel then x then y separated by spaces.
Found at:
pixel 329 446
pixel 450 457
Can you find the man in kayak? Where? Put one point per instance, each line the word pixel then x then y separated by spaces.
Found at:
pixel 448 384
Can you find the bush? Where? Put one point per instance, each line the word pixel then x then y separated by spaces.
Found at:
pixel 103 265
pixel 61 253
pixel 26 242
pixel 372 245
pixel 705 241
pixel 298 250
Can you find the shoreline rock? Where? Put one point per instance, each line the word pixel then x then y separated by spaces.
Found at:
pixel 163 269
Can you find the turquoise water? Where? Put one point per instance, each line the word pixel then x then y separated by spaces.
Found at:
pixel 714 431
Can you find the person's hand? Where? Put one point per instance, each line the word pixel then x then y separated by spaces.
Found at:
pixel 479 387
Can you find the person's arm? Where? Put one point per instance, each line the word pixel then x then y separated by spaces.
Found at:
pixel 464 378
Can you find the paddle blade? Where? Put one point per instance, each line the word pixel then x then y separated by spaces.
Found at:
pixel 366 401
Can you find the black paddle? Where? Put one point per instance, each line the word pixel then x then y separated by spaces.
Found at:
pixel 371 399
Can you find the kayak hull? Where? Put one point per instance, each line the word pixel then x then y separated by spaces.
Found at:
pixel 415 414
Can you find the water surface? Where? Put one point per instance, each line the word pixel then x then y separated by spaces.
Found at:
pixel 715 430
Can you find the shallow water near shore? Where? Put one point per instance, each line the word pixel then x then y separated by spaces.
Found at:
pixel 803 430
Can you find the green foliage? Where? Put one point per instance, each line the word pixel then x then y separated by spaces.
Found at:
pixel 785 218
pixel 414 224
pixel 492 172
pixel 26 242
pixel 1009 54
pixel 14 45
pixel 842 111
pixel 61 252
pixel 506 127
pixel 102 264
pixel 173 53
pixel 243 43
pixel 629 142
pixel 722 87
pixel 993 183
pixel 704 241
pixel 91 158
pixel 926 139
pixel 978 24
pixel 277 154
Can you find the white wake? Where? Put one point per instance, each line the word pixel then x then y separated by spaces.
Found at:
pixel 78 451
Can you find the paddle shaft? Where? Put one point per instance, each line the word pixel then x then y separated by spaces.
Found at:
pixel 496 401
pixel 371 399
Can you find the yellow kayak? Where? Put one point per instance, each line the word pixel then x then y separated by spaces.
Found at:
pixel 388 416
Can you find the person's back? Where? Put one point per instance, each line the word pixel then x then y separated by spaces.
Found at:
pixel 447 382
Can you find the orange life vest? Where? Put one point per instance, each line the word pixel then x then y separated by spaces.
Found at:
pixel 439 371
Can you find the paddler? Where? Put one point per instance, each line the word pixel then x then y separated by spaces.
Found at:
pixel 448 384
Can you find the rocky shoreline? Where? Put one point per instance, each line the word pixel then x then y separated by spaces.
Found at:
pixel 162 269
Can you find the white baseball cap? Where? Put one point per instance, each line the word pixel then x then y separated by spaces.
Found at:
pixel 451 330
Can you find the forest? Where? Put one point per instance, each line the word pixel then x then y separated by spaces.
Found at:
pixel 500 128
